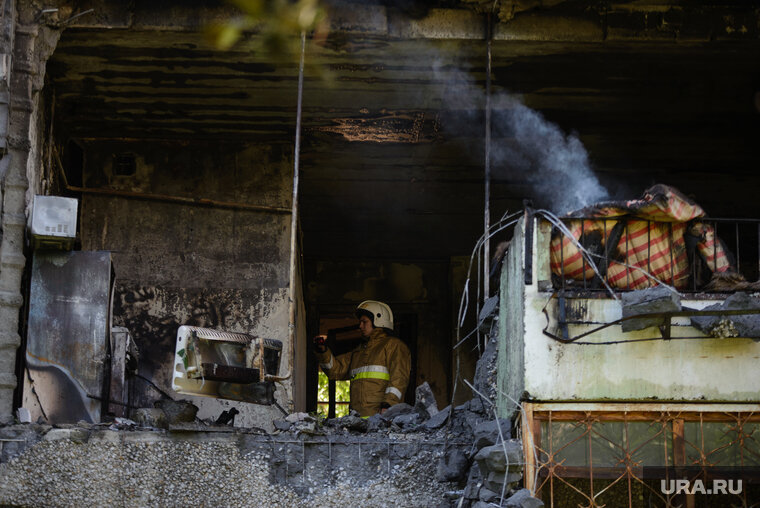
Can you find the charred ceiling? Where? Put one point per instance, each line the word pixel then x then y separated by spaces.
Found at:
pixel 393 121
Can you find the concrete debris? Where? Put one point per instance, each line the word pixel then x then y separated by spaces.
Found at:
pixel 648 301
pixel 177 411
pixel 23 415
pixel 485 376
pixel 743 325
pixel 282 425
pixel 487 433
pixel 489 496
pixel 523 499
pixel 407 421
pixel 487 313
pixel 499 468
pixel 425 403
pixel 452 467
pixel 297 417
pixel 74 434
pixel 493 458
pixel 376 423
pixel 353 422
pixel 151 417
pixel 437 420
pixel 401 408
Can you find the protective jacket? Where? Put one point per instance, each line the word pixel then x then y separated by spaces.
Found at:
pixel 378 369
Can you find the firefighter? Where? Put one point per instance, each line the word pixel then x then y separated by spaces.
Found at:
pixel 378 368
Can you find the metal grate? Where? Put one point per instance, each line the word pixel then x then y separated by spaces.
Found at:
pixel 593 459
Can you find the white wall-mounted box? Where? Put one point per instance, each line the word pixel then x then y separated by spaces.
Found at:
pixel 53 224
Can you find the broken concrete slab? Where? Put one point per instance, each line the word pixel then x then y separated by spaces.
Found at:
pixel 436 421
pixel 487 433
pixel 298 417
pixel 488 496
pixel 407 420
pixel 401 408
pixel 496 479
pixel 150 417
pixel 452 467
pixel 425 403
pixel 523 499
pixel 648 301
pixel 74 434
pixel 487 313
pixel 177 411
pixel 355 423
pixel 743 325
pixel 375 423
pixel 493 458
pixel 281 425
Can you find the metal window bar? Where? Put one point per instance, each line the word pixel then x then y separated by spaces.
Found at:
pixel 556 479
pixel 742 246
pixel 583 259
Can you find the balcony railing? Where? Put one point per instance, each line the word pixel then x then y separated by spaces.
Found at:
pixel 623 253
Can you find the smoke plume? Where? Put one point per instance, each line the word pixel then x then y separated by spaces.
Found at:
pixel 525 146
pixel 555 164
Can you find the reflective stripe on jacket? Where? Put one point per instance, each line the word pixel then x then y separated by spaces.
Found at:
pixel 378 370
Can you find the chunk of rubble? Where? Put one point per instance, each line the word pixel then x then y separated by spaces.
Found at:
pixel 648 301
pixel 407 421
pixel 282 425
pixel 487 433
pixel 452 466
pixel 353 422
pixel 402 408
pixel 436 421
pixel 151 417
pixel 742 325
pixel 177 411
pixel 499 468
pixel 523 499
pixel 425 403
pixel 299 417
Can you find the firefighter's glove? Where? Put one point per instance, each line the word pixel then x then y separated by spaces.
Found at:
pixel 319 343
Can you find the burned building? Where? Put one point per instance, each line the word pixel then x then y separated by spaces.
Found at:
pixel 266 190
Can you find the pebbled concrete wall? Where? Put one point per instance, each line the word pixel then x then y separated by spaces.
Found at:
pixel 80 466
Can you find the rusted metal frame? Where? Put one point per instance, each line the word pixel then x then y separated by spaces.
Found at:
pixel 583 258
pixel 665 315
pixel 679 452
pixel 529 439
pixel 637 416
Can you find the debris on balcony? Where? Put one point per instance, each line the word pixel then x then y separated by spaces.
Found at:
pixel 742 325
pixel 648 301
pixel 661 238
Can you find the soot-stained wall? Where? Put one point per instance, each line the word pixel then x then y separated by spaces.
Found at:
pixel 220 267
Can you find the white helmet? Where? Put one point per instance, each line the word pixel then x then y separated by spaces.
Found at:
pixel 380 313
